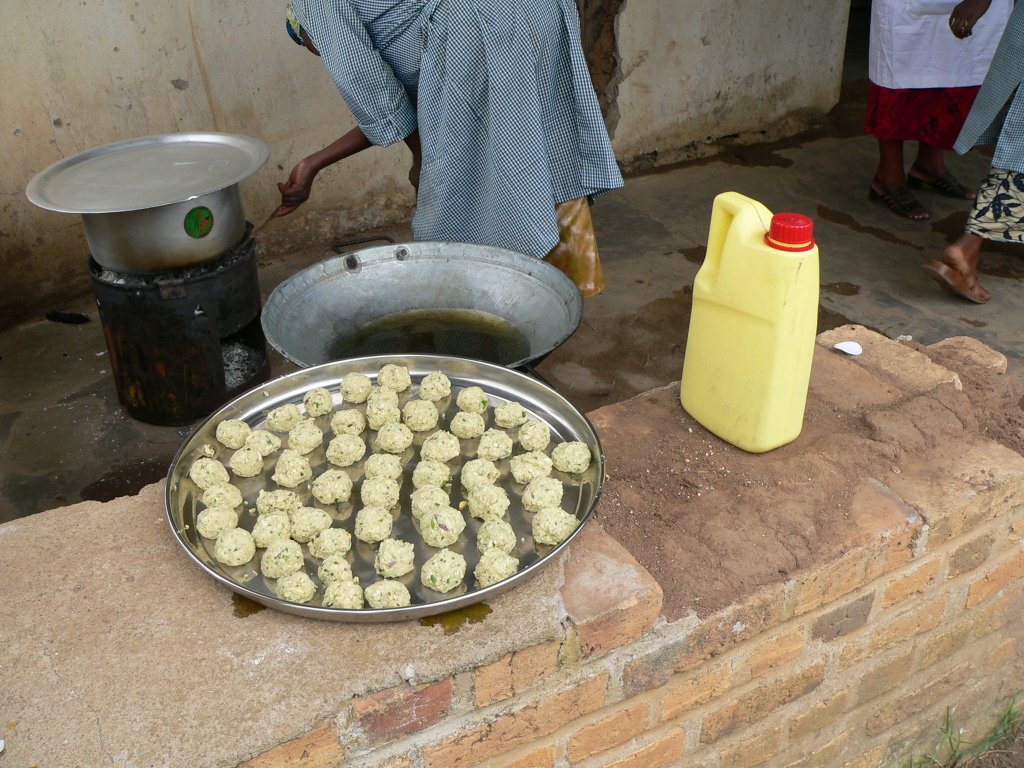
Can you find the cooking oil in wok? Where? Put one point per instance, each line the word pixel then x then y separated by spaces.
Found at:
pixel 458 332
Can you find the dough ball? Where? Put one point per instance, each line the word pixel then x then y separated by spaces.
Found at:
pixel 356 387
pixel 552 525
pixel 444 571
pixel 435 386
pixel 348 421
pixel 528 466
pixel 213 521
pixel 343 594
pixel 534 436
pixel 420 415
pixel 284 418
pixel 296 587
pixel 330 541
pixel 431 473
pixel 234 547
pixel 279 501
pixel 542 492
pixel 495 444
pixel 379 492
pixel 305 436
pixel 488 502
pixel 494 566
pixel 373 524
pixel 429 498
pixel 292 468
pixel 393 438
pixel 246 462
pixel 495 534
pixel 382 398
pixel 206 472
pixel 222 494
pixel 264 442
pixel 572 457
pixel 382 408
pixel 307 522
pixel 283 556
pixel 388 594
pixel 442 527
pixel 467 425
pixel 345 450
pixel 232 433
pixel 385 465
pixel 441 446
pixel 395 558
pixel 332 487
pixel 472 399
pixel 335 568
pixel 478 472
pixel 510 415
pixel 270 527
pixel 318 402
pixel 394 377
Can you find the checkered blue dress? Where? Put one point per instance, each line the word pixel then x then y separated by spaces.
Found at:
pixel 500 92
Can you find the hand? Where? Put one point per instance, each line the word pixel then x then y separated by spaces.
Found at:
pixel 413 142
pixel 966 15
pixel 296 190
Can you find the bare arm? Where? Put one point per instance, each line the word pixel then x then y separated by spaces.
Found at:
pixel 295 191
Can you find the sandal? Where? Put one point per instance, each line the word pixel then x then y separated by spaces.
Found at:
pixel 945 184
pixel 956 283
pixel 899 200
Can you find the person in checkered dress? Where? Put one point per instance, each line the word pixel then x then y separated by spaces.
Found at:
pixel 493 98
pixel 997 117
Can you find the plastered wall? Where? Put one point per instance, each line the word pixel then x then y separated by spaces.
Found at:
pixel 83 73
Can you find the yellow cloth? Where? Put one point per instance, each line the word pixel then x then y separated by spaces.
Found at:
pixel 576 253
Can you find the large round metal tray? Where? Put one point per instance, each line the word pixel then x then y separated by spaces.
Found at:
pixel 501 385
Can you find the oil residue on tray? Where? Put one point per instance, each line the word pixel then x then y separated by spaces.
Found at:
pixel 458 332
pixel 452 621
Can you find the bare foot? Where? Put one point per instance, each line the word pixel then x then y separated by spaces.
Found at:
pixel 958 270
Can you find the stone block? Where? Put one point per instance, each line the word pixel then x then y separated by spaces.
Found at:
pixel 944 645
pixel 974 350
pixel 844 619
pixel 515 673
pixel 818 716
pixel 541 758
pixel 884 676
pixel 521 727
pixel 610 598
pixel 320 748
pixel 969 555
pixel 1001 656
pixel 653 669
pixel 762 700
pixel 888 633
pixel 870 759
pixel 610 732
pixel 995 616
pixel 837 379
pixel 913 583
pixel 1002 576
pixel 892 362
pixel 665 750
pixel 824 754
pixel 888 715
pixel 776 652
pixel 756 750
pixel 709 684
pixel 402 711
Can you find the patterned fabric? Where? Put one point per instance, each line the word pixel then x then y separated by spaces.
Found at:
pixel 997 116
pixel 293 26
pixel 998 212
pixel 931 115
pixel 576 253
pixel 500 92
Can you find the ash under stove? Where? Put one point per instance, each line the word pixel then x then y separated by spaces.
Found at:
pixel 183 342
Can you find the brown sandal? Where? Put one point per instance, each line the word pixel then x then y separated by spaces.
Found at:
pixel 899 200
pixel 945 184
pixel 956 283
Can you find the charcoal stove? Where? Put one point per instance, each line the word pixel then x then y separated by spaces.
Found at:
pixel 183 342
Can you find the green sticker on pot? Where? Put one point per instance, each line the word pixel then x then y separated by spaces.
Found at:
pixel 199 222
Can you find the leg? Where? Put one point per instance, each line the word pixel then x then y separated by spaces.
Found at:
pixel 930 168
pixel 890 164
pixel 958 270
pixel 890 183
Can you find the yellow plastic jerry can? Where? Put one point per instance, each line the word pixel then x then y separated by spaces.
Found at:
pixel 752 326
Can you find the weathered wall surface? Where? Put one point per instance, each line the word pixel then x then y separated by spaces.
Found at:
pixel 91 72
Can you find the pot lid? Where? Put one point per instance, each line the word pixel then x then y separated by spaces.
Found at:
pixel 147 172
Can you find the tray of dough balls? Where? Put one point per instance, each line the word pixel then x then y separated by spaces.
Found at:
pixel 385 488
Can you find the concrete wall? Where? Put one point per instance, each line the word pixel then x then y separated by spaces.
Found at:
pixel 90 72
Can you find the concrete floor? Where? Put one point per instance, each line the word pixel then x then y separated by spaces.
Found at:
pixel 64 437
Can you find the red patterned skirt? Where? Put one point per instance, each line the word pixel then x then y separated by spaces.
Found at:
pixel 932 115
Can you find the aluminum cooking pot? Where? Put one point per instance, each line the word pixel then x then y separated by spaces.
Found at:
pixel 158 202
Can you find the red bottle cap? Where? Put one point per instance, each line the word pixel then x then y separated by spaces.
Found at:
pixel 790 232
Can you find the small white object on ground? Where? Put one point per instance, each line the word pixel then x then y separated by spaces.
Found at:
pixel 849 347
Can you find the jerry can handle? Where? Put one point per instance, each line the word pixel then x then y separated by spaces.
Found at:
pixel 727 206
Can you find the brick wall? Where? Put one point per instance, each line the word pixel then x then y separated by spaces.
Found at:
pixel 850 665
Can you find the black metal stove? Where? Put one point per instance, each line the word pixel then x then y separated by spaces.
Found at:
pixel 184 342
